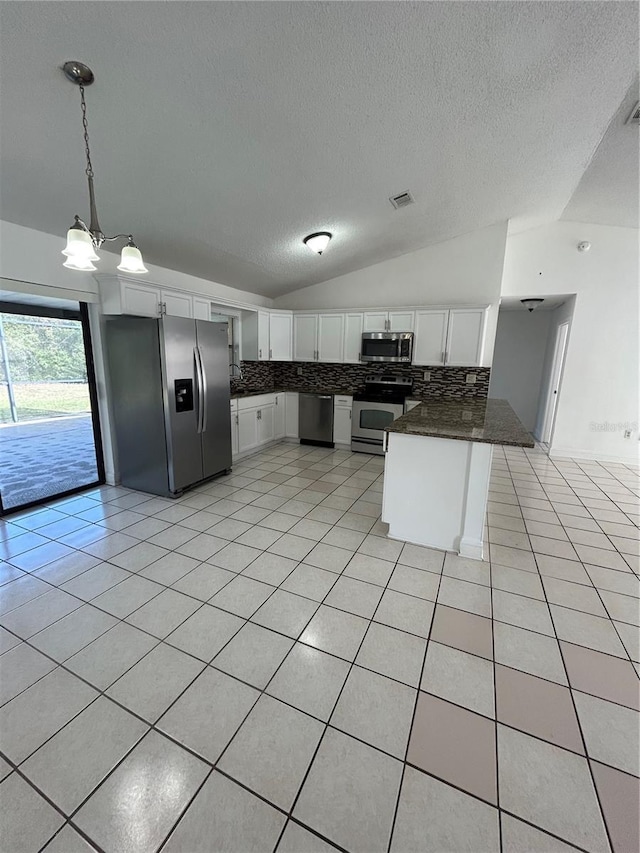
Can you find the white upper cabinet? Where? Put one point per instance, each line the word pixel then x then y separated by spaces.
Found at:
pixel 330 337
pixel 305 337
pixel 466 336
pixel 263 336
pixel 400 321
pixel 176 304
pixel 453 337
pixel 137 299
pixel 201 308
pixel 352 338
pixel 430 342
pixel 375 321
pixel 388 321
pixel 280 334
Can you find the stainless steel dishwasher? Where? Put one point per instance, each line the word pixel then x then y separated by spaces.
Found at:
pixel 315 419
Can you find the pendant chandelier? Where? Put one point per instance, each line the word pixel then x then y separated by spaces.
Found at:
pixel 83 241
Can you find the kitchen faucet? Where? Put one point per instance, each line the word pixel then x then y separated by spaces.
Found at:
pixel 232 365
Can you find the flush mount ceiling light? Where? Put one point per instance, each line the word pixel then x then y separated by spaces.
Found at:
pixel 83 241
pixel 318 242
pixel 531 303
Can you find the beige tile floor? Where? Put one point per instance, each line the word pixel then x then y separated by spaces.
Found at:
pixel 256 667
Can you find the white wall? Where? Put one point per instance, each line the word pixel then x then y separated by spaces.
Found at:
pixel 599 393
pixel 33 258
pixel 518 358
pixel 465 270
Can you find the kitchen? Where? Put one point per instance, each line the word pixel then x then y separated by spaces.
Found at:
pixel 324 594
pixel 342 379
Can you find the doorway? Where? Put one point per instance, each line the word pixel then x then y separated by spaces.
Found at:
pixel 557 365
pixel 49 431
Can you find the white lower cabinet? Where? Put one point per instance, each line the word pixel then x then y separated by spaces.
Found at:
pixel 247 430
pixel 279 417
pixel 291 415
pixel 234 427
pixel 265 416
pixel 342 419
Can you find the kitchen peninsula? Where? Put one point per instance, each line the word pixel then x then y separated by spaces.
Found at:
pixel 437 467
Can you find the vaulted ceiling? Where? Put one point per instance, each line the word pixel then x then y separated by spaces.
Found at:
pixel 222 133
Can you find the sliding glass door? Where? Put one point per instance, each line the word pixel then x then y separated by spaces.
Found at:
pixel 49 431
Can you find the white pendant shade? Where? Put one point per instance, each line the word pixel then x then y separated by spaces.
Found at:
pixel 82 264
pixel 318 242
pixel 131 260
pixel 79 245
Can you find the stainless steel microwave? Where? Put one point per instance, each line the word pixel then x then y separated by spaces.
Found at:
pixel 387 346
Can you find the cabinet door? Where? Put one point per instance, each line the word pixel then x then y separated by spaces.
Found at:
pixel 139 300
pixel 279 417
pixel 430 341
pixel 280 334
pixel 247 429
pixel 352 338
pixel 291 414
pixel 177 304
pixel 465 337
pixel 234 433
pixel 266 424
pixel 305 333
pixel 342 424
pixel 330 337
pixel 201 309
pixel 401 321
pixel 375 321
pixel 263 336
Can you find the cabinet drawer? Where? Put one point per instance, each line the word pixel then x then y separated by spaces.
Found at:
pixel 255 401
pixel 342 401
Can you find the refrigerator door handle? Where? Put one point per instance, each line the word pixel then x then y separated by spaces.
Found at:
pixel 203 373
pixel 199 388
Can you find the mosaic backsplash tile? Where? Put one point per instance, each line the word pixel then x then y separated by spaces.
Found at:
pixel 348 378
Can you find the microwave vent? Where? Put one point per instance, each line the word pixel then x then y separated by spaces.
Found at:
pixel 401 200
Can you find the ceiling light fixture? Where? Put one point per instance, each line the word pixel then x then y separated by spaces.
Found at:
pixel 318 242
pixel 531 303
pixel 83 241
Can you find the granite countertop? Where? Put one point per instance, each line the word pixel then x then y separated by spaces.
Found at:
pixel 251 392
pixel 487 421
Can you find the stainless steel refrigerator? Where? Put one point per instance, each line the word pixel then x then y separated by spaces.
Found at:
pixel 169 380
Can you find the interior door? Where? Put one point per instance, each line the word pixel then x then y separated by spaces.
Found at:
pixel 213 344
pixel 178 344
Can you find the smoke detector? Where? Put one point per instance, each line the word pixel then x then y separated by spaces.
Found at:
pixel 634 115
pixel 401 200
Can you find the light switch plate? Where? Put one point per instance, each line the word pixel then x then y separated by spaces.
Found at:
pixel 426 376
pixel 299 371
pixel 471 378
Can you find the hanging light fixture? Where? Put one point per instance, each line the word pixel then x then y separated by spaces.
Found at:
pixel 318 242
pixel 532 303
pixel 82 240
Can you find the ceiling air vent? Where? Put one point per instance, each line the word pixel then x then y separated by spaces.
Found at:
pixel 402 200
pixel 634 116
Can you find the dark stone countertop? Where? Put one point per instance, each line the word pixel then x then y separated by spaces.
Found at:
pixel 487 421
pixel 252 392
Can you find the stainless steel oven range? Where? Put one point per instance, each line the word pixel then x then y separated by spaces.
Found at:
pixel 381 402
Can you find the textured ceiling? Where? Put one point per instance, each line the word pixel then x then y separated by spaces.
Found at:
pixel 608 191
pixel 222 133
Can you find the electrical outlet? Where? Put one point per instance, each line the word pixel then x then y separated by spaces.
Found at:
pixel 471 378
pixel 426 376
pixel 627 433
pixel 299 371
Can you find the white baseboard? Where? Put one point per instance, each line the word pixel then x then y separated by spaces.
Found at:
pixel 472 548
pixel 590 456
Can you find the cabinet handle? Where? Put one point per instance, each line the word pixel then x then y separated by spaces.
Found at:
pixel 349 414
pixel 259 353
pixel 270 353
pixel 237 419
pixel 442 357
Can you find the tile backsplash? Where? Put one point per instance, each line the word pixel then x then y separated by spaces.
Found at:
pixel 348 378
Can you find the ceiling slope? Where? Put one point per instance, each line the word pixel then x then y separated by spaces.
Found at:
pixel 222 133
